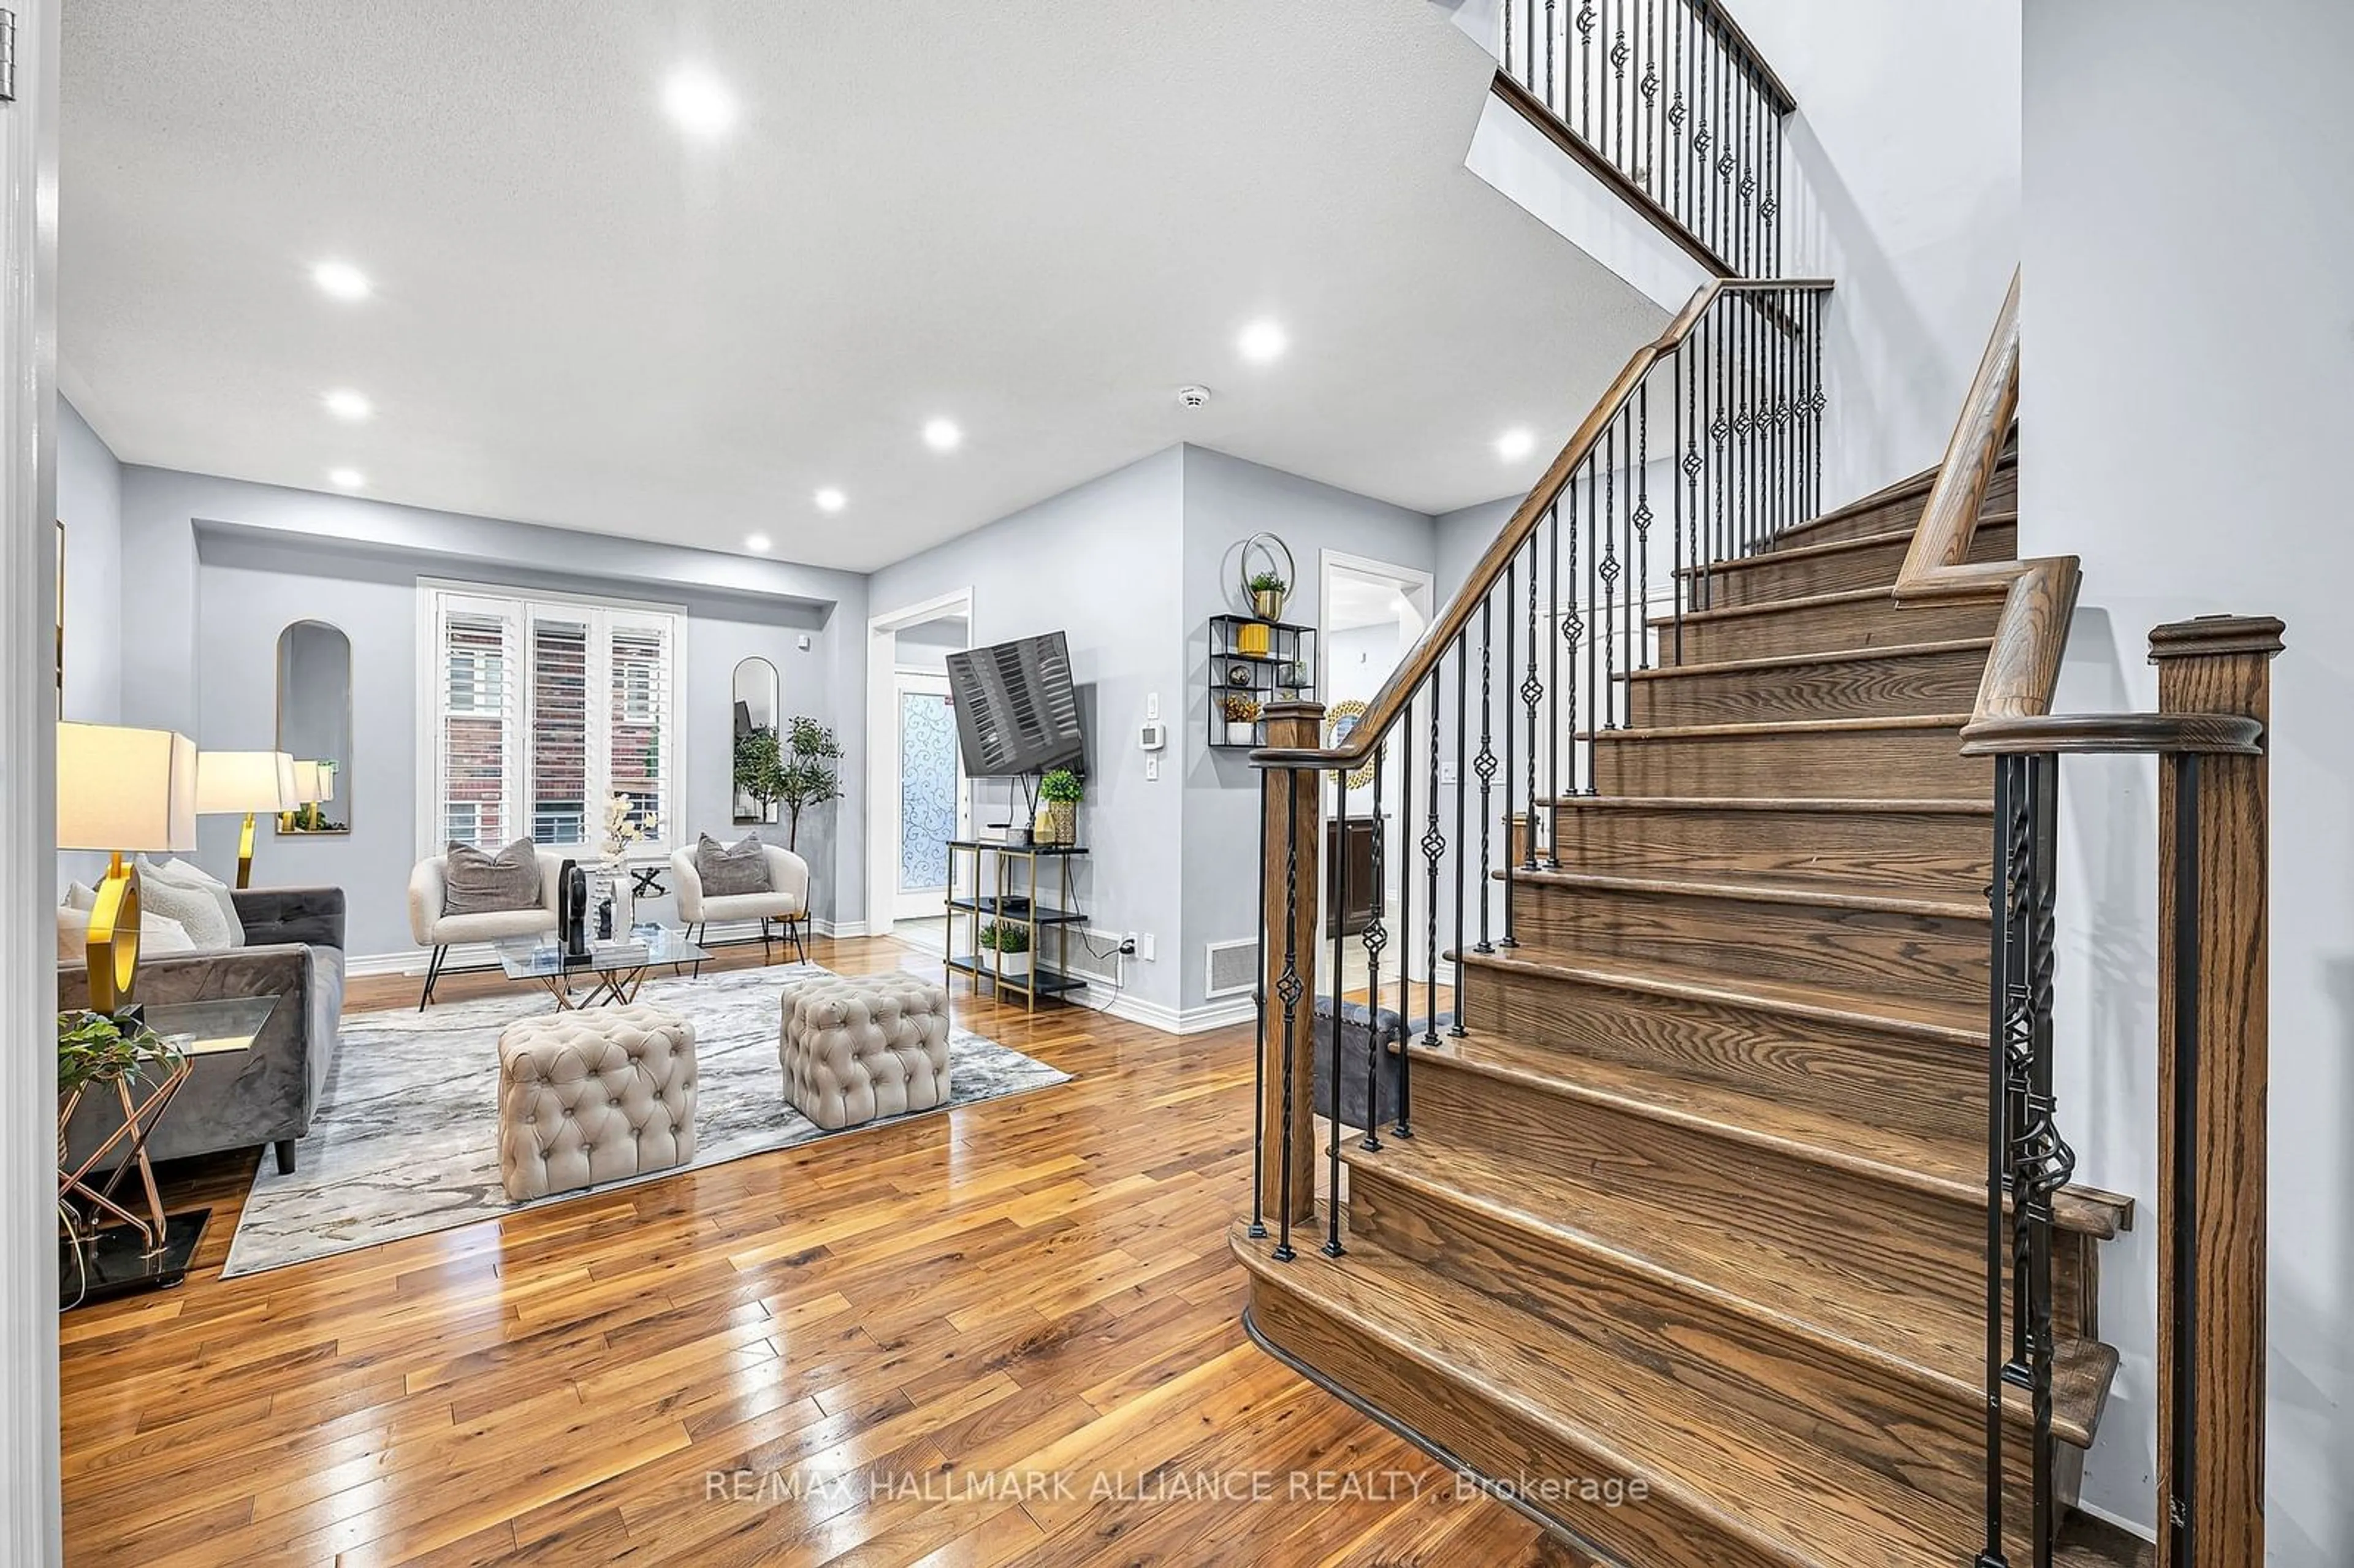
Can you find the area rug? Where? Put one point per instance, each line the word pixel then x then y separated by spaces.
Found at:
pixel 406 1138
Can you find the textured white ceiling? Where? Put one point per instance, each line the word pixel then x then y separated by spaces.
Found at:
pixel 1039 219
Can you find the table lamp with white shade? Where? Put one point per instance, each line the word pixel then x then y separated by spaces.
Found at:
pixel 314 783
pixel 229 782
pixel 122 791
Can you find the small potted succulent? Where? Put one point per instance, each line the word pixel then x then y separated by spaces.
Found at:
pixel 1059 793
pixel 1240 715
pixel 1267 593
pixel 1011 943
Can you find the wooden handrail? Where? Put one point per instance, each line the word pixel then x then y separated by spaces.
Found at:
pixel 1389 704
pixel 2098 733
pixel 2039 593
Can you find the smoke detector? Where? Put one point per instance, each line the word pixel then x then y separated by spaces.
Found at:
pixel 1192 396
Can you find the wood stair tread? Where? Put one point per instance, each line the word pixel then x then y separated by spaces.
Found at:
pixel 1816 892
pixel 1814 602
pixel 1801 661
pixel 1961 1027
pixel 1828 803
pixel 1905 489
pixel 1714 1458
pixel 1782 556
pixel 1778 727
pixel 1952 1171
pixel 1693 1255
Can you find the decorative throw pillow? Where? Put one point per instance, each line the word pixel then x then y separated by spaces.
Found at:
pixel 80 896
pixel 158 935
pixel 479 884
pixel 193 907
pixel 728 870
pixel 188 874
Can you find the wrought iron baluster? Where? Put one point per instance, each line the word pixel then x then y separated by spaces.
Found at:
pixel 1258 1058
pixel 1620 54
pixel 1563 104
pixel 1462 808
pixel 1434 846
pixel 1484 764
pixel 1649 88
pixel 1532 695
pixel 1376 937
pixel 1552 662
pixel 1606 694
pixel 2001 904
pixel 1641 519
pixel 1288 989
pixel 1339 839
pixel 1511 591
pixel 1584 21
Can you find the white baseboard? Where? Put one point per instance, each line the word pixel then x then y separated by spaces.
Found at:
pixel 1170 1020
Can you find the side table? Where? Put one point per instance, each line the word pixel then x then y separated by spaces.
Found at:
pixel 110 1249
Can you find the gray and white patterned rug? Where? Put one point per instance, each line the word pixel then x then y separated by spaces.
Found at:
pixel 406 1138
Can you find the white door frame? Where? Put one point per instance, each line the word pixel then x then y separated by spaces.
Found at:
pixel 28 860
pixel 883 743
pixel 902 680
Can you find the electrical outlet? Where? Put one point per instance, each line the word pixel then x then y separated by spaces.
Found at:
pixel 1447 773
pixel 1127 945
pixel 1144 947
pixel 1151 768
pixel 1153 704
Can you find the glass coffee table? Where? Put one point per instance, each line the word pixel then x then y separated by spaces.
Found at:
pixel 609 974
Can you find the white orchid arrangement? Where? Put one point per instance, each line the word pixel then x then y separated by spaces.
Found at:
pixel 623 826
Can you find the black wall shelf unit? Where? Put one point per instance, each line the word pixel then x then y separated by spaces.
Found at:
pixel 1265 660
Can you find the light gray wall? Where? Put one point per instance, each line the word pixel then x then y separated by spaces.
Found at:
pixel 214 569
pixel 2193 352
pixel 1904 188
pixel 89 503
pixel 1100 564
pixel 1227 499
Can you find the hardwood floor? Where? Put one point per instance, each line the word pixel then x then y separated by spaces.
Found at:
pixel 842 1353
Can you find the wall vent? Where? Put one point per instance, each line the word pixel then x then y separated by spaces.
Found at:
pixel 1233 968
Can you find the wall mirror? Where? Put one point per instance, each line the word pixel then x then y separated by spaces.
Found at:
pixel 315 721
pixel 759 700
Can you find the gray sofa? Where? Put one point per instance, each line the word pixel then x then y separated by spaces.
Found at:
pixel 294 951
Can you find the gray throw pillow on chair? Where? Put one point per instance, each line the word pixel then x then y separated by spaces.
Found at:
pixel 731 869
pixel 479 884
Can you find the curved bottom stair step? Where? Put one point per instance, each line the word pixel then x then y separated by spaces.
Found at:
pixel 1697 1483
pixel 1500 1223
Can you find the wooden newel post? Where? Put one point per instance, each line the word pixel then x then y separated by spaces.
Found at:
pixel 2212 888
pixel 1294 804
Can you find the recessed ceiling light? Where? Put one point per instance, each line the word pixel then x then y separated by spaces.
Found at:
pixel 348 404
pixel 1262 341
pixel 697 100
pixel 340 280
pixel 757 543
pixel 943 435
pixel 830 499
pixel 1516 443
pixel 346 478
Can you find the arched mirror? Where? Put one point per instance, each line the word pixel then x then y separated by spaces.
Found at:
pixel 759 700
pixel 314 724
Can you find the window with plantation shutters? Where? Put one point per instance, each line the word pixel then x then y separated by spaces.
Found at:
pixel 546 708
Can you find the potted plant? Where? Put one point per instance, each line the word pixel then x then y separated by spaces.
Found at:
pixel 1058 817
pixel 1011 943
pixel 807 777
pixel 1267 592
pixel 759 771
pixel 94 1050
pixel 1240 714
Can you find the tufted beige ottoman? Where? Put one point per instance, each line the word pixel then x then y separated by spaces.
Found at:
pixel 856 1049
pixel 593 1097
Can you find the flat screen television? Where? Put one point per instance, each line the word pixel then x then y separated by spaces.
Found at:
pixel 1016 710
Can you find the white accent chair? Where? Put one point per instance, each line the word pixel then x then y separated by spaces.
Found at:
pixel 785 901
pixel 429 892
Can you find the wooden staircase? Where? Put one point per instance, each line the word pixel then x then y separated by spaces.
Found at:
pixel 1695 1206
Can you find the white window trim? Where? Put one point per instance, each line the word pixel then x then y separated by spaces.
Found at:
pixel 431 594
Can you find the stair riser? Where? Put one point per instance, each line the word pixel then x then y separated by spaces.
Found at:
pixel 1840 1411
pixel 1872 764
pixel 1928 957
pixel 1837 628
pixel 1893 1081
pixel 1875 1234
pixel 1842 688
pixel 1497 1440
pixel 1934 852
pixel 2002 495
pixel 1872 567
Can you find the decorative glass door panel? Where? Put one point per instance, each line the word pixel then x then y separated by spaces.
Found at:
pixel 927 786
